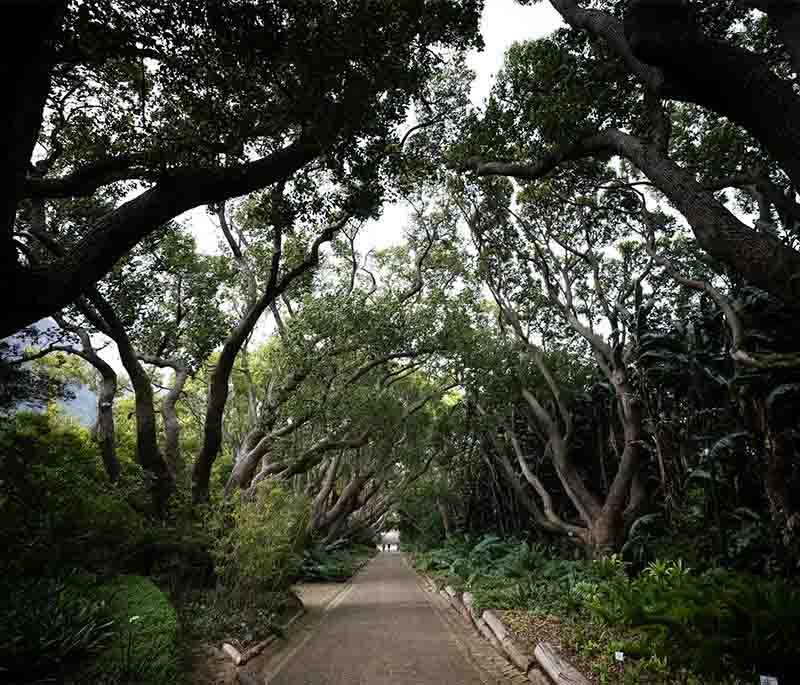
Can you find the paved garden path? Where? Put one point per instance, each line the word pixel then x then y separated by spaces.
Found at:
pixel 381 631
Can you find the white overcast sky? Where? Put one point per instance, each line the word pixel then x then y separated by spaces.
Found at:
pixel 503 22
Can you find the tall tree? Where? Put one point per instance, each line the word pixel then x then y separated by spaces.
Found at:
pixel 196 103
pixel 627 88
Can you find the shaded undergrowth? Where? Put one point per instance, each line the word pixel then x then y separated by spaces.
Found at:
pixel 674 624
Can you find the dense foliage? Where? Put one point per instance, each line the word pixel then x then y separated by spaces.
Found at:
pixel 58 503
pixel 573 385
pixel 674 623
pixel 145 644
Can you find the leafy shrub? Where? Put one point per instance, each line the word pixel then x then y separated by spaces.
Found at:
pixel 179 561
pixel 716 622
pixel 502 574
pixel 326 564
pixel 221 613
pixel 669 619
pixel 259 541
pixel 145 644
pixel 47 626
pixel 490 555
pixel 57 507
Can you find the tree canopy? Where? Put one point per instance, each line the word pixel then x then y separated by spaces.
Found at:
pixel 583 336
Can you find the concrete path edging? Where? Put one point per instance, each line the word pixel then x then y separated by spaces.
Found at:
pixel 544 667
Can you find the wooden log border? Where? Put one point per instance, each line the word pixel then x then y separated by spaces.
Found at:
pixel 544 667
pixel 241 658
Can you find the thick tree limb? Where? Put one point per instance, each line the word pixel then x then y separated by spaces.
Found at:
pixel 724 78
pixel 27 40
pixel 85 180
pixel 38 291
pixel 662 47
pixel 256 450
pixel 218 389
pixel 612 31
pixel 760 258
pixel 324 492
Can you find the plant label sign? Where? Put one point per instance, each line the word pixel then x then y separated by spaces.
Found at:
pixel 768 680
pixel 620 657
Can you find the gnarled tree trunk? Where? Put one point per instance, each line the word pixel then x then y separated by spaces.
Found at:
pixel 104 427
pixel 172 427
pixel 148 453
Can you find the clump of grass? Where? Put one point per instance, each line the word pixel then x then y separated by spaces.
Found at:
pixel 48 626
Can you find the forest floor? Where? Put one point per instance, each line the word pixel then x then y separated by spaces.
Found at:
pixel 380 629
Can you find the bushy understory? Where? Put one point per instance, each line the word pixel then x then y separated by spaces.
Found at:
pixel 334 563
pixel 674 624
pixel 96 590
pixel 588 333
pixel 65 614
pixel 48 626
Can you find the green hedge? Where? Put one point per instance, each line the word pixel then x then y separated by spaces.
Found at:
pixel 145 645
pixel 57 508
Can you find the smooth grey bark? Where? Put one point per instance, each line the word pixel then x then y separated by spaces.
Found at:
pixel 760 258
pixel 324 493
pixel 330 521
pixel 445 515
pixel 603 528
pixel 259 440
pixel 104 428
pixel 172 427
pixel 540 518
pixel 220 376
pixel 608 530
pixel 367 525
pixel 255 450
pixel 244 469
